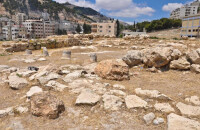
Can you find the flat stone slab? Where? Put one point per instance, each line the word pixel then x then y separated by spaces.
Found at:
pixel 164 107
pixel 87 97
pixel 176 122
pixel 188 110
pixel 133 101
pixel 112 102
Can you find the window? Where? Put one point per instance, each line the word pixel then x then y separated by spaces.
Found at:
pixel 101 26
pixel 189 30
pixel 109 26
pixel 100 30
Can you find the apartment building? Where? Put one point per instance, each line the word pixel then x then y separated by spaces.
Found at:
pixel 19 18
pixel 186 10
pixel 10 32
pixel 191 26
pixel 39 28
pixel 105 28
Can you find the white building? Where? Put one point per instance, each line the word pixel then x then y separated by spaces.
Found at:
pixel 186 10
pixel 11 32
pixel 39 28
pixel 20 18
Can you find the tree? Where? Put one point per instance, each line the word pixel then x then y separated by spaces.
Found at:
pixel 78 29
pixel 118 28
pixel 86 29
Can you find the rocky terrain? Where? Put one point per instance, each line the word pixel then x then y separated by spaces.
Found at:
pixel 100 82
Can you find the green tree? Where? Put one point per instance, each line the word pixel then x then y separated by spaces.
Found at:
pixel 78 29
pixel 118 28
pixel 86 29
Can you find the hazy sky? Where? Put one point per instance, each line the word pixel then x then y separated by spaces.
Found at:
pixel 131 10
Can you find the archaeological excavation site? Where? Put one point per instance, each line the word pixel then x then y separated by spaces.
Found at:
pixel 95 82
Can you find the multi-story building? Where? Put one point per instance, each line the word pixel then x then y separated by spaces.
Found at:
pixel 39 28
pixel 191 26
pixel 187 10
pixel 20 18
pixel 67 26
pixel 11 32
pixel 105 28
pixel 3 22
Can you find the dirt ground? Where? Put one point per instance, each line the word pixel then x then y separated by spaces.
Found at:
pixel 176 84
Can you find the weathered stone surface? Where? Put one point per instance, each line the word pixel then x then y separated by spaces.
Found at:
pixel 3 67
pixel 157 57
pixel 176 122
pixel 44 104
pixel 72 76
pixel 112 102
pixel 133 58
pixel 56 85
pixel 194 56
pixel 33 90
pixel 112 70
pixel 149 118
pixel 29 61
pixel 117 93
pixel 194 100
pixel 87 97
pixel 176 54
pixel 164 107
pixel 158 121
pixel 151 94
pixel 133 101
pixel 188 110
pixel 6 112
pixel 118 86
pixel 16 82
pixel 21 109
pixel 26 73
pixel 195 68
pixel 45 79
pixel 180 64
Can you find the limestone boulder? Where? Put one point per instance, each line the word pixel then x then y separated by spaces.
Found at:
pixel 188 110
pixel 180 64
pixel 176 122
pixel 112 102
pixel 195 68
pixel 157 57
pixel 33 90
pixel 133 58
pixel 194 100
pixel 16 81
pixel 194 56
pixel 46 105
pixel 113 70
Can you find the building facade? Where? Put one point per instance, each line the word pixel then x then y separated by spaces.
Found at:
pixel 105 28
pixel 11 32
pixel 187 10
pixel 20 18
pixel 191 26
pixel 39 28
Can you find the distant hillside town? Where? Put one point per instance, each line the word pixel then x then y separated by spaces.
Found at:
pixel 186 10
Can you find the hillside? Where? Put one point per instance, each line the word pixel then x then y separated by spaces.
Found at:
pixel 57 11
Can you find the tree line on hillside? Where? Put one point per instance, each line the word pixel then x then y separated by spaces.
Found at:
pixel 155 25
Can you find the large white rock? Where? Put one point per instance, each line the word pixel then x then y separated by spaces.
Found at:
pixel 149 118
pixel 151 94
pixel 16 82
pixel 6 112
pixel 112 102
pixel 188 110
pixel 164 107
pixel 33 90
pixel 194 100
pixel 133 101
pixel 72 76
pixel 3 67
pixel 180 64
pixel 194 56
pixel 26 73
pixel 176 122
pixel 133 58
pixel 87 97
pixel 45 79
pixel 56 85
pixel 195 68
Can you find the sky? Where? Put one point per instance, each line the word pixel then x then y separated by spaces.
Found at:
pixel 131 10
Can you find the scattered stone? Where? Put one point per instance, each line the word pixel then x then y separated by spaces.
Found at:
pixel 45 79
pixel 117 93
pixel 26 73
pixel 87 97
pixel 151 94
pixel 158 121
pixel 21 109
pixel 112 102
pixel 33 90
pixel 56 85
pixel 16 82
pixel 180 64
pixel 188 110
pixel 42 59
pixel 164 107
pixel 195 68
pixel 112 70
pixel 194 100
pixel 118 86
pixel 176 122
pixel 133 58
pixel 44 104
pixel 29 61
pixel 72 76
pixel 194 56
pixel 133 101
pixel 149 118
pixel 5 112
